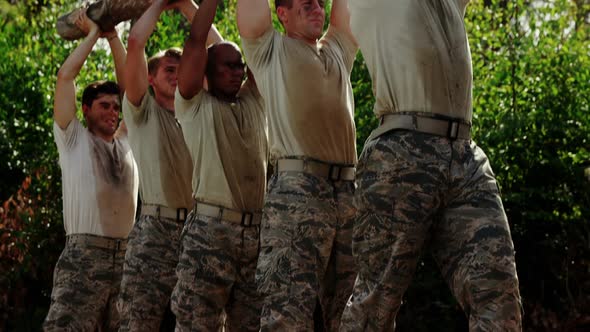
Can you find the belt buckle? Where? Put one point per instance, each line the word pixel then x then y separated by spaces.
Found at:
pixel 247 219
pixel 453 129
pixel 184 214
pixel 331 172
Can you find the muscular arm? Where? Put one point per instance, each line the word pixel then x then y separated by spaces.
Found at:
pixel 136 70
pixel 64 105
pixel 188 9
pixel 340 18
pixel 194 57
pixel 253 17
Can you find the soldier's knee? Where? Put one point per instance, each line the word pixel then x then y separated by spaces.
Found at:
pixel 494 297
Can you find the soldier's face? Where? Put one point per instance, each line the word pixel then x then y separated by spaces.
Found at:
pixel 103 115
pixel 228 72
pixel 305 18
pixel 166 78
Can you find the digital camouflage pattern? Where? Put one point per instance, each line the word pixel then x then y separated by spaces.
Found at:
pixel 415 188
pixel 86 284
pixel 216 277
pixel 149 272
pixel 305 251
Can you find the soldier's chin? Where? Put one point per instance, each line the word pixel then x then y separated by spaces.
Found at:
pixel 109 130
pixel 317 30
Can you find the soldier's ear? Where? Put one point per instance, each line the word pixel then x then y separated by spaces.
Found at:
pixel 282 14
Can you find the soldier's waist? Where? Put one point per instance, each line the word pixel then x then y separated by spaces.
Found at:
pixel 104 242
pixel 428 123
pixel 157 211
pixel 328 170
pixel 243 218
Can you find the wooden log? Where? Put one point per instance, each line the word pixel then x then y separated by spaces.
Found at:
pixel 106 13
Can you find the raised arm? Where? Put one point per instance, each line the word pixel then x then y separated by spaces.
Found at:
pixel 136 70
pixel 64 105
pixel 194 56
pixel 253 17
pixel 188 9
pixel 119 56
pixel 340 18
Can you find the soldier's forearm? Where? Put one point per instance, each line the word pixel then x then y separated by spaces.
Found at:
pixel 202 23
pixel 143 28
pixel 71 67
pixel 188 9
pixel 119 55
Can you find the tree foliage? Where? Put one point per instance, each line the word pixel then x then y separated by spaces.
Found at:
pixel 532 103
pixel 531 115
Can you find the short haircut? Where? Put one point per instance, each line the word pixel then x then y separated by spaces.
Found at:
pixel 154 60
pixel 212 57
pixel 93 90
pixel 285 3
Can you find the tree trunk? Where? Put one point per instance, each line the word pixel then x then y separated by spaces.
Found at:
pixel 106 13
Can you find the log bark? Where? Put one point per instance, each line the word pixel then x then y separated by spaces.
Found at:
pixel 106 13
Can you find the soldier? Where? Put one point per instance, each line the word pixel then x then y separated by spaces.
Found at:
pixel 225 130
pixel 165 170
pixel 421 176
pixel 307 225
pixel 100 183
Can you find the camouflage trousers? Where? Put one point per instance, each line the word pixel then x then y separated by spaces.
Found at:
pixel 86 284
pixel 149 272
pixel 414 188
pixel 215 287
pixel 305 251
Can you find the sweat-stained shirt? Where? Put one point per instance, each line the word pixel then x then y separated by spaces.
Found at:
pixel 228 146
pixel 99 182
pixel 165 168
pixel 307 94
pixel 417 54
